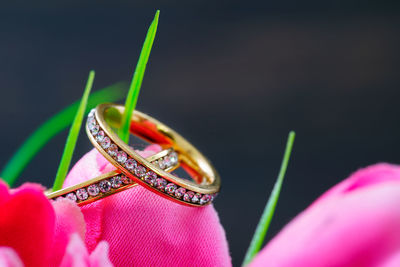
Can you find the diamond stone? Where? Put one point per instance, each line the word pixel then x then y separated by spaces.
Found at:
pixel 140 171
pixel 170 188
pixel 121 157
pixel 95 129
pixel 125 179
pixel 91 113
pixel 100 136
pixel 196 198
pixel 93 190
pixel 161 183
pixel 82 194
pixel 205 199
pixel 130 164
pixel 106 143
pixel 150 178
pixel 188 196
pixel 161 163
pixel 167 163
pixel 91 121
pixel 116 181
pixel 180 192
pixel 105 186
pixel 173 158
pixel 71 196
pixel 112 150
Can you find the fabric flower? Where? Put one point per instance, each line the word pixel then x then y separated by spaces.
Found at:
pixel 356 223
pixel 35 231
pixel 144 229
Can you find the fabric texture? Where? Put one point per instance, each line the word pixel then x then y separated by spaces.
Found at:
pixel 356 223
pixel 144 229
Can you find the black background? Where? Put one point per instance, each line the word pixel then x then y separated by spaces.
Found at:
pixel 233 77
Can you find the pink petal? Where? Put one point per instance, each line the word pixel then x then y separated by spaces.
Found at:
pixel 76 254
pixel 393 261
pixel 86 167
pixel 153 231
pixel 69 219
pixel 356 223
pixel 37 230
pixel 9 258
pixel 144 229
pixel 99 257
pixel 27 223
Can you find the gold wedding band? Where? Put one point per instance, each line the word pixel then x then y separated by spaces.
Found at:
pixel 199 192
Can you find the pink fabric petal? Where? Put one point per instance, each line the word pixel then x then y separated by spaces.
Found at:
pixel 356 223
pixel 99 257
pixel 369 176
pixel 9 258
pixel 86 167
pixel 144 229
pixel 27 223
pixel 393 261
pixel 76 254
pixel 69 220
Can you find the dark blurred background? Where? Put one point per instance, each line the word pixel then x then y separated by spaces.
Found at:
pixel 233 77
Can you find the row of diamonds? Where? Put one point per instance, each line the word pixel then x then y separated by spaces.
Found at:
pixel 148 176
pixel 103 187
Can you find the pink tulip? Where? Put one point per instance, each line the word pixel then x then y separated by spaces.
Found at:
pixel 356 223
pixel 35 231
pixel 144 229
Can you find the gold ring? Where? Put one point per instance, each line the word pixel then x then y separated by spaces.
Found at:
pixel 99 127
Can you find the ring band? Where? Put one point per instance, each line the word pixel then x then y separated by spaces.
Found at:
pixel 106 184
pixel 152 177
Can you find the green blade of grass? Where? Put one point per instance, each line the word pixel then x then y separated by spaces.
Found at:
pixel 57 123
pixel 269 210
pixel 73 136
pixel 137 79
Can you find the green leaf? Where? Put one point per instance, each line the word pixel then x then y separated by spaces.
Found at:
pixel 269 210
pixel 57 123
pixel 73 136
pixel 137 79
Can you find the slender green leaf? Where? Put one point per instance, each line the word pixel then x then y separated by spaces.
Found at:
pixel 57 123
pixel 269 210
pixel 73 136
pixel 137 79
